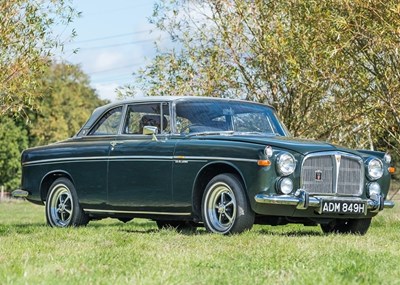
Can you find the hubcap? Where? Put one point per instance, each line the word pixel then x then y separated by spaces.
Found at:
pixel 61 206
pixel 220 205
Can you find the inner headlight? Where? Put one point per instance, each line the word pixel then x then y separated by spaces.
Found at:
pixel 285 185
pixel 374 189
pixel 375 169
pixel 286 164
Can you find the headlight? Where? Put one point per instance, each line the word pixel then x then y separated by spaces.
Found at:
pixel 285 185
pixel 285 164
pixel 374 189
pixel 375 169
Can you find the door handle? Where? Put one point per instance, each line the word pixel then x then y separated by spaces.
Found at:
pixel 114 143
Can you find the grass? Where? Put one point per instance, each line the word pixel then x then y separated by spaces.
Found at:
pixel 110 252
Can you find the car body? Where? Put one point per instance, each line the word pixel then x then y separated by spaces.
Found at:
pixel 190 161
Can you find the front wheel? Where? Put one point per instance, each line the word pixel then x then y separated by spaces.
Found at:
pixel 62 206
pixel 350 226
pixel 225 209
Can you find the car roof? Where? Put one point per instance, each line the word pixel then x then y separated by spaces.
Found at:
pixel 100 110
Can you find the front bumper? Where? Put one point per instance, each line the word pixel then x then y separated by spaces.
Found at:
pixel 20 193
pixel 302 200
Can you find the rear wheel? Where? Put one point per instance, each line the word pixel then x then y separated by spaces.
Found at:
pixel 62 206
pixel 225 209
pixel 350 226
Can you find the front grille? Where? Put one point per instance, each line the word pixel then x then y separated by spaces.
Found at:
pixel 332 173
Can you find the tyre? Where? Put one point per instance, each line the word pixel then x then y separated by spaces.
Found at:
pixel 351 226
pixel 225 209
pixel 62 206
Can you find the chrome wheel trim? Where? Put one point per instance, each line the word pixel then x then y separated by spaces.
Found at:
pixel 220 208
pixel 61 206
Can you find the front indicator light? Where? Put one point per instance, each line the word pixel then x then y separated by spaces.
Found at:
pixel 391 170
pixel 264 162
pixel 285 185
pixel 387 158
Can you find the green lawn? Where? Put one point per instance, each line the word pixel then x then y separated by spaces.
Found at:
pixel 110 252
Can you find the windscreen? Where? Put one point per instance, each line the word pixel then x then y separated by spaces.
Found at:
pixel 218 116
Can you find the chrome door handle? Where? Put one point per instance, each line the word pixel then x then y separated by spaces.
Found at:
pixel 114 143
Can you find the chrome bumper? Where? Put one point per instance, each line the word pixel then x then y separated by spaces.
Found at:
pixel 303 201
pixel 20 193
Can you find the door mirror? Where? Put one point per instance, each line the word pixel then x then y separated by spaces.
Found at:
pixel 150 130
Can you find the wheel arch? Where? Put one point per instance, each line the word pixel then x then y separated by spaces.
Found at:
pixel 49 179
pixel 204 176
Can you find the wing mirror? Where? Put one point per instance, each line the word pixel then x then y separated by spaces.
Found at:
pixel 151 130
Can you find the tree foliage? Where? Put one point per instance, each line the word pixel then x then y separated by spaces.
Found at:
pixel 13 140
pixel 67 101
pixel 26 37
pixel 330 68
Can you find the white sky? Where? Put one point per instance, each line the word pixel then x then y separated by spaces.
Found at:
pixel 114 40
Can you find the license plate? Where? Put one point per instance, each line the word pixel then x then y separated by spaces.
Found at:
pixel 343 207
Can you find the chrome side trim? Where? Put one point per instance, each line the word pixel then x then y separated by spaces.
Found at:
pixel 66 160
pixel 216 158
pixel 145 157
pixel 96 158
pixel 137 212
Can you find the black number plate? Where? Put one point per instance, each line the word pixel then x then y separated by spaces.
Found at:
pixel 343 207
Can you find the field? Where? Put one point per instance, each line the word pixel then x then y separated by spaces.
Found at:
pixel 110 252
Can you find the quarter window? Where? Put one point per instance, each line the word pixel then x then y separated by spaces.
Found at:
pixel 108 124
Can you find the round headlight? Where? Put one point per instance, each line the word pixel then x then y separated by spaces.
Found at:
pixel 375 169
pixel 285 185
pixel 286 164
pixel 374 189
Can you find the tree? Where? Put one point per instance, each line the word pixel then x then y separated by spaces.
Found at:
pixel 67 101
pixel 330 68
pixel 26 37
pixel 13 140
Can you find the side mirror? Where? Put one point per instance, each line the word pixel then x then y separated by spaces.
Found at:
pixel 151 130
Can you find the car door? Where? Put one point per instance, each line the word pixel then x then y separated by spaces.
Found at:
pixel 90 170
pixel 140 166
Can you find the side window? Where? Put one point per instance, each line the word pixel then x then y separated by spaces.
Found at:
pixel 182 125
pixel 108 124
pixel 141 115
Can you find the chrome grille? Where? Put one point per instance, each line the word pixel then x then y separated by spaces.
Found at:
pixel 332 173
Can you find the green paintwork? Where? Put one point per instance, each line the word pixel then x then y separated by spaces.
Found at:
pixel 138 174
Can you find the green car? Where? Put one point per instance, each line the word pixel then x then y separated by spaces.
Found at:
pixel 193 161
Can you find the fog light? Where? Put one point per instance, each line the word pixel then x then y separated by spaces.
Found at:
pixel 285 185
pixel 374 189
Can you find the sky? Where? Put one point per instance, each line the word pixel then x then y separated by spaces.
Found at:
pixel 114 39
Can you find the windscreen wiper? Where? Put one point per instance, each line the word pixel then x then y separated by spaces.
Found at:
pixel 211 133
